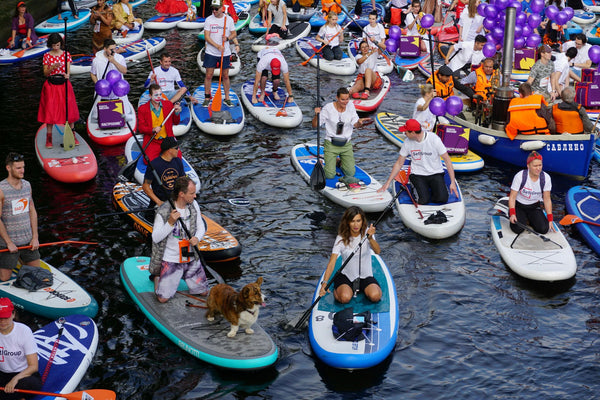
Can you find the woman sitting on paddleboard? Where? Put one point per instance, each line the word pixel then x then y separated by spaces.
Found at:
pixel 368 78
pixel 530 187
pixel 23 32
pixel 277 19
pixel 357 275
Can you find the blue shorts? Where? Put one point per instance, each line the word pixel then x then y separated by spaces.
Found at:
pixel 211 61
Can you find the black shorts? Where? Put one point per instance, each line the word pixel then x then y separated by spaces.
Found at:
pixel 9 260
pixel 342 279
pixel 273 77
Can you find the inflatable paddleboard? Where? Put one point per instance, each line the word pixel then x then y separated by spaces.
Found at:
pixel 270 110
pixel 235 65
pixel 79 4
pixel 412 62
pixel 54 24
pixel 185 116
pixel 188 328
pixel 306 48
pixel 115 135
pixel 304 158
pixel 363 19
pixel 384 65
pixel 131 36
pixel 379 335
pixel 583 17
pixel 318 19
pixel 530 256
pixel 73 166
pixel 376 96
pixel 256 26
pixel 14 56
pixel 304 14
pixel 64 297
pixel 76 348
pixel 228 121
pixel 296 30
pixel 163 22
pixel 584 202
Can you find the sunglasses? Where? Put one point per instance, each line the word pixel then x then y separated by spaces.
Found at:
pixel 17 157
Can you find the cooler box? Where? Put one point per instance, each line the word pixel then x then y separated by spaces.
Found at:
pixel 524 59
pixel 409 46
pixel 110 114
pixel 454 137
pixel 587 94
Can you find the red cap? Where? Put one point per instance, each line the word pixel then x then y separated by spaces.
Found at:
pixel 6 307
pixel 275 66
pixel 21 3
pixel 411 125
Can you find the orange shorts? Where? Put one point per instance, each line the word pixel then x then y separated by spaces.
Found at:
pixel 378 81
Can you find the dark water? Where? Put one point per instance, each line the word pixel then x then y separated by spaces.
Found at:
pixel 469 329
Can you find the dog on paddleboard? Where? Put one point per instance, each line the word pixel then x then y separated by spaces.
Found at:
pixel 239 308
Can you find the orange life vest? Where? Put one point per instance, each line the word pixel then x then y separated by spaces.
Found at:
pixel 567 120
pixel 331 5
pixel 483 82
pixel 443 90
pixel 524 118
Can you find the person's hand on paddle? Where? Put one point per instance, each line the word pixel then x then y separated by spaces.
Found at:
pixel 323 292
pixel 12 247
pixel 35 244
pixel 11 43
pixel 177 108
pixel 371 230
pixel 10 386
pixel 513 219
pixel 194 241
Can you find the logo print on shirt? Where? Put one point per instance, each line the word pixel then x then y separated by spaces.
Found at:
pixel 20 206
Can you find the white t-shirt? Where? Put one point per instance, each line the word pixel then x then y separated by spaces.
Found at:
pixel 277 18
pixel 174 233
pixel 465 55
pixel 531 192
pixel 213 26
pixel 100 61
pixel 370 62
pixel 266 55
pixel 166 79
pixel 582 54
pixel 330 117
pixel 470 26
pixel 376 33
pixel 15 347
pixel 425 117
pixel 414 30
pixel 360 264
pixel 561 64
pixel 327 32
pixel 424 155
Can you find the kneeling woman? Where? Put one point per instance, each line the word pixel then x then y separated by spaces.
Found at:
pixel 358 273
pixel 530 187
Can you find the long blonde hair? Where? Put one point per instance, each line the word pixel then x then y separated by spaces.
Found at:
pixel 472 8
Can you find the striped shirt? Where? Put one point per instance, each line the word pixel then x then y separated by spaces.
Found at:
pixel 15 213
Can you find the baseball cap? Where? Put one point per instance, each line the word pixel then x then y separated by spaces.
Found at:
pixel 6 307
pixel 545 49
pixel 275 66
pixel 168 143
pixel 445 70
pixel 215 4
pixel 411 125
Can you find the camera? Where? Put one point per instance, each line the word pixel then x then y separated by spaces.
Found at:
pixel 339 128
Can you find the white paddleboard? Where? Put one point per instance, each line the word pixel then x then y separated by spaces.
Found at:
pixel 345 66
pixel 296 30
pixel 267 111
pixel 235 66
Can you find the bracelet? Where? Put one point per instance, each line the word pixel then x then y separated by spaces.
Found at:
pixel 550 218
pixel 512 211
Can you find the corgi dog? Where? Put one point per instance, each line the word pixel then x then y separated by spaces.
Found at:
pixel 239 308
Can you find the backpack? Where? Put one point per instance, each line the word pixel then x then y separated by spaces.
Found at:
pixel 524 179
pixel 33 278
pixel 348 326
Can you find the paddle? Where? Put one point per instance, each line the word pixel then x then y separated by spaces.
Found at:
pixel 68 136
pixel 282 112
pixel 502 212
pixel 51 244
pixel 402 177
pixel 235 201
pixel 571 219
pixel 92 394
pixel 317 176
pixel 317 51
pixel 21 52
pixel 61 322
pixel 302 320
pixel 214 273
pixel 217 100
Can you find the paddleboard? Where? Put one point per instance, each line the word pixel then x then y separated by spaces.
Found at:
pixel 304 14
pixel 412 62
pixel 305 47
pixel 136 50
pixel 387 124
pixel 64 297
pixel 383 66
pixel 136 3
pixel 131 36
pixel 304 158
pixel 217 245
pixel 185 117
pixel 198 22
pixel 584 17
pixel 115 135
pixel 12 56
pixel 243 20
pixel 528 255
pixel 584 202
pixel 297 30
pixel 376 96
pixel 454 210
pixel 593 32
pixel 256 26
pixel 54 24
pixel 379 337
pixel 363 19
pixel 73 166
pixel 188 328
pixel 79 4
pixel 592 6
pixel 163 22
pixel 318 19
pixel 229 121
pixel 74 353
pixel 597 149
pixel 235 65
pixel 267 111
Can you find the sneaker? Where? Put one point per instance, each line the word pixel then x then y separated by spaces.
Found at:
pixel 356 95
pixel 349 179
pixel 48 143
pixel 206 102
pixel 228 102
pixel 364 95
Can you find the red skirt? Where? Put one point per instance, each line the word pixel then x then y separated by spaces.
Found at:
pixel 171 7
pixel 52 104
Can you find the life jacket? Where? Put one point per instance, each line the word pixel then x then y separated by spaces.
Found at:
pixel 331 5
pixel 483 82
pixel 443 90
pixel 567 120
pixel 524 118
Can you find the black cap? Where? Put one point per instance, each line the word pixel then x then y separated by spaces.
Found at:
pixel 168 143
pixel 445 70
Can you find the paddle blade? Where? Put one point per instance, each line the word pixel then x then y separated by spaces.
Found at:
pixel 570 219
pixel 20 53
pixel 402 177
pixel 68 138
pixel 406 74
pixel 239 202
pixel 217 100
pixel 92 394
pixel 317 177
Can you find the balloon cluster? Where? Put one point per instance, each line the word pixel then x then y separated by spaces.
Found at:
pixel 453 106
pixel 395 33
pixel 494 14
pixel 113 83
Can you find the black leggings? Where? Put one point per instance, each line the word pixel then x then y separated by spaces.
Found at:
pixel 430 188
pixel 72 6
pixel 530 214
pixel 33 382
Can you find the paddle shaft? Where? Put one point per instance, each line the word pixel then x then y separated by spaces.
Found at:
pixel 403 179
pixel 50 244
pixel 317 51
pixel 571 219
pixel 528 229
pixel 96 394
pixel 306 314
pixel 61 321
pixel 214 273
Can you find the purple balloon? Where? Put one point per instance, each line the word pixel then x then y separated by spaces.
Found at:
pixel 594 54
pixel 489 24
pixel 102 87
pixel 519 43
pixel 537 6
pixel 120 88
pixel 454 105
pixel 517 5
pixel 491 11
pixel 502 4
pixel 489 50
pixel 551 11
pixel 518 31
pixel 498 33
pixel 534 21
pixel 490 39
pixel 395 33
pixel 527 30
pixel 481 9
pixel 570 12
pixel 113 76
pixel 391 45
pixel 533 40
pixel 561 18
pixel 437 106
pixel 427 21
pixel 521 19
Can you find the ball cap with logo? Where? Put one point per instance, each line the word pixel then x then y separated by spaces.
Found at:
pixel 411 125
pixel 6 307
pixel 215 4
pixel 275 66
